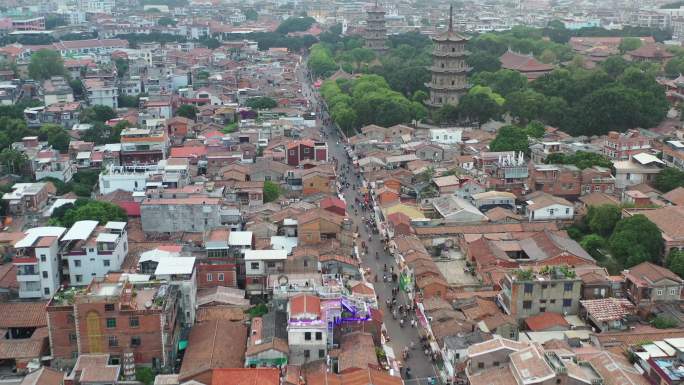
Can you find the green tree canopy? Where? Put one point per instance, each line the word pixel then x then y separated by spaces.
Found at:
pixel 56 137
pixel 581 159
pixel 166 21
pixel 97 114
pixel 271 191
pixel 479 107
pixel 296 24
pixel 187 111
pixel 261 103
pixel 603 219
pixel 45 64
pixel 635 239
pixel 669 179
pixel 483 62
pixel 251 14
pixel 675 262
pixel 85 209
pixel 510 138
pixel 629 44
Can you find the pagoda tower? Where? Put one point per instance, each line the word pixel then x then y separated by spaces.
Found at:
pixel 449 69
pixel 376 32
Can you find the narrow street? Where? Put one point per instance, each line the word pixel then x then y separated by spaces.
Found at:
pixel 420 365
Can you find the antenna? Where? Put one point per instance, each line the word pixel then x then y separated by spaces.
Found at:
pixel 451 17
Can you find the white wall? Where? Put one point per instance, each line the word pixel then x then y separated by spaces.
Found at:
pixel 552 212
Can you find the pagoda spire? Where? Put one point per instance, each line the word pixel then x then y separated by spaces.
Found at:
pixel 451 17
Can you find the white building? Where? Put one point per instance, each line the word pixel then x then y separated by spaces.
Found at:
pixel 126 178
pixel 240 241
pixel 181 272
pixel 306 329
pixel 101 93
pixel 546 207
pixel 97 6
pixel 259 264
pixel 92 251
pixel 642 168
pixel 446 135
pixel 37 262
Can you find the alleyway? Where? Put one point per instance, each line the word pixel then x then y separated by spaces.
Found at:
pixel 420 365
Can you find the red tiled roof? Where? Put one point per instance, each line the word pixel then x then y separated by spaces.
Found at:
pixel 22 315
pixel 545 321
pixel 188 152
pixel 523 63
pixel 305 304
pixel 333 202
pixel 245 376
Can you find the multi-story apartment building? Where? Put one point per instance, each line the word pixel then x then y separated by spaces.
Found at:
pixel 193 214
pixel 259 264
pixel 51 164
pixel 651 19
pixel 101 93
pixel 97 6
pixel 673 154
pixel 115 317
pixel 27 197
pixel 622 145
pixel 181 273
pixel 220 267
pixel 37 261
pixel 568 181
pixel 89 251
pixel 57 90
pixel 306 329
pixel 525 293
pixel 143 146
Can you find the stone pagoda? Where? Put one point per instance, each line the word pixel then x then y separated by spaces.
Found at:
pixel 449 69
pixel 376 32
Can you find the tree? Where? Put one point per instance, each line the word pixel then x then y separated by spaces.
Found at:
pixel 56 137
pixel 664 322
pixel 97 113
pixel 581 159
pixel 446 114
pixel 251 14
pixel 295 24
pixel 535 129
pixel 635 239
pixel 593 243
pixel 510 138
pixel 86 209
pixel 629 44
pixel 211 43
pixel 166 21
pixel 77 87
pixel 13 161
pixel 128 101
pixel 483 62
pixel 503 82
pixel 525 105
pixel 144 375
pixel 478 107
pixel 320 61
pixel 669 179
pixel 602 219
pixel 45 64
pixel 675 262
pixel 187 111
pixel 420 96
pixel 345 117
pixel 261 103
pixel 271 191
pixel 121 67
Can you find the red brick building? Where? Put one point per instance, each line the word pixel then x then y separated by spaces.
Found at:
pixel 622 145
pixel 306 149
pixel 115 318
pixel 568 181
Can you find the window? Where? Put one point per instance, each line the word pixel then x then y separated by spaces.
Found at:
pixel 307 353
pixel 552 301
pixel 209 277
pixel 319 336
pixel 77 263
pixel 45 274
pixel 46 290
pixel 135 341
pixel 568 286
pixel 321 353
pixel 106 262
pixel 659 292
pixel 527 304
pixel 134 322
pixel 496 363
pixel 43 258
pixel 70 319
pixel 529 288
pixel 270 264
pixel 673 291
pixel 567 210
pixel 254 265
pixel 111 323
pixel 480 365
pixel 558 380
pixel 109 307
pixel 307 336
pixel 220 277
pixel 79 278
pixel 72 337
pixel 567 302
pixel 542 309
pixel 113 341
